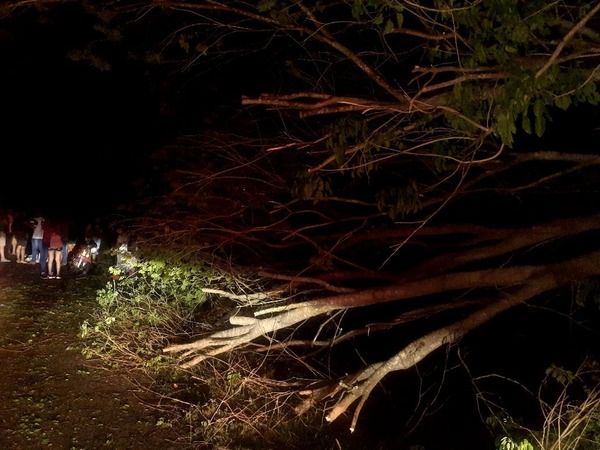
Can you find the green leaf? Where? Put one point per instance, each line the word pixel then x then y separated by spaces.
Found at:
pixel 183 43
pixel 266 5
pixel 563 102
pixel 358 9
pixel 399 20
pixel 526 123
pixel 389 26
pixel 539 110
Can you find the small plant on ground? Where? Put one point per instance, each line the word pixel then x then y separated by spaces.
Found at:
pixel 570 413
pixel 144 307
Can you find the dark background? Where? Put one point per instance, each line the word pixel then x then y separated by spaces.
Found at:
pixel 77 139
pixel 72 137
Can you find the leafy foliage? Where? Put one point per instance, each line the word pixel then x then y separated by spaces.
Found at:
pixel 507 443
pixel 311 187
pixel 587 293
pixel 146 303
pixel 400 201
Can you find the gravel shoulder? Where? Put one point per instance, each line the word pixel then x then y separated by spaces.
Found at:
pixel 53 397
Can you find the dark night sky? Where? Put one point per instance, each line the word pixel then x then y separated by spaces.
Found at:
pixel 72 137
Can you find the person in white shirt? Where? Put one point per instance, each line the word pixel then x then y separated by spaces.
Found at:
pixel 37 251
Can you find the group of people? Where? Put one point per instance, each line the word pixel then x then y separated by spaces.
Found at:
pixel 15 236
pixel 40 240
pixel 48 246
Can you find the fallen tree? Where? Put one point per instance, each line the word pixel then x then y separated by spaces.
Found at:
pixel 388 157
pixel 513 286
pixel 422 189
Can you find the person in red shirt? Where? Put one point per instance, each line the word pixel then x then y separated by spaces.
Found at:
pixel 55 247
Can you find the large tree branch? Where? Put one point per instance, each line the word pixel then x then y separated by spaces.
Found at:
pixel 248 328
pixel 566 39
pixel 358 387
pixel 502 242
pixel 417 350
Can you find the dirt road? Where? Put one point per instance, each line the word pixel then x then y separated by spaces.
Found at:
pixel 52 396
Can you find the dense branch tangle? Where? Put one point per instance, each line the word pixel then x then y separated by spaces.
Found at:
pixel 386 116
pixel 515 285
pixel 463 97
pixel 413 95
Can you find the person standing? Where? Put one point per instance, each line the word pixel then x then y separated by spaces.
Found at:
pixel 37 236
pixel 21 236
pixel 3 257
pixel 93 234
pixel 67 247
pixel 3 228
pixel 10 237
pixel 55 247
